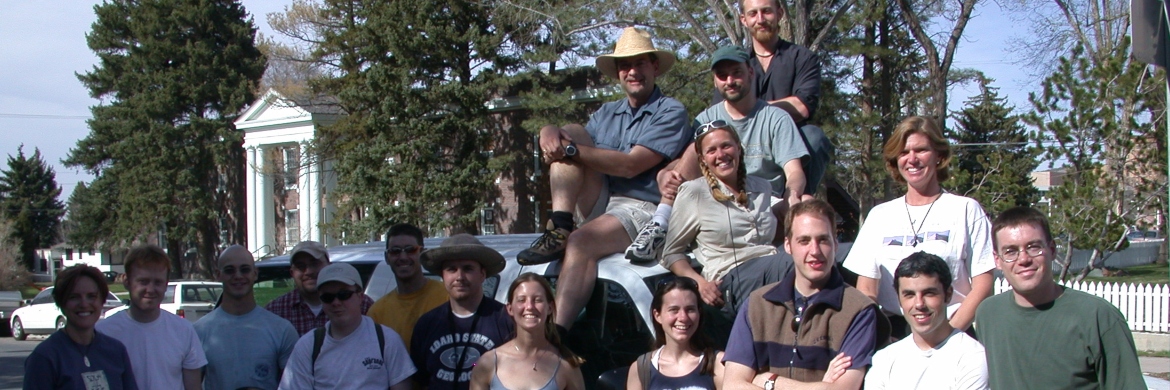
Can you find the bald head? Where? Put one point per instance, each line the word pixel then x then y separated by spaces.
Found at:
pixel 237 271
pixel 237 253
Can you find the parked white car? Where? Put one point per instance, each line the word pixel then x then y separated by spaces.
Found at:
pixel 41 315
pixel 190 299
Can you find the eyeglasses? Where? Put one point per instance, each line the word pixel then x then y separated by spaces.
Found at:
pixel 304 265
pixel 712 125
pixel 1010 255
pixel 408 249
pixel 229 270
pixel 342 295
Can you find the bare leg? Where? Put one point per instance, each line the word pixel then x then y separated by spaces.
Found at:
pixel 575 188
pixel 600 237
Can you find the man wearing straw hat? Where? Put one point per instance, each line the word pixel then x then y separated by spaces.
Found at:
pixel 449 339
pixel 604 173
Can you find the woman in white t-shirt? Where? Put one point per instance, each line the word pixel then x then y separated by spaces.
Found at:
pixel 927 218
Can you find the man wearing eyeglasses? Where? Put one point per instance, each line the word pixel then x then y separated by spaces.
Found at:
pixel 301 306
pixel 350 351
pixel 790 333
pixel 415 294
pixel 1041 335
pixel 773 149
pixel 246 346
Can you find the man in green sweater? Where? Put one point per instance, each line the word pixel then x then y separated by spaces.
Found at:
pixel 1042 335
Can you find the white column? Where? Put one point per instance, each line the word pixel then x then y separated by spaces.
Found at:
pixel 263 204
pixel 313 208
pixel 305 190
pixel 250 196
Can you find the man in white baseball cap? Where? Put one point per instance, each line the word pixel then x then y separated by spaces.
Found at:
pixel 350 351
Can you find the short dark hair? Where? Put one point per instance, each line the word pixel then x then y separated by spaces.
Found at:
pixel 815 206
pixel 1016 216
pixel 67 279
pixel 404 229
pixel 145 256
pixel 925 264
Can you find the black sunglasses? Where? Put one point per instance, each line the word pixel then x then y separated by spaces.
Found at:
pixel 408 249
pixel 342 295
pixel 712 125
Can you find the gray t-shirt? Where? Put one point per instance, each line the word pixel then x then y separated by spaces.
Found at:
pixel 245 351
pixel 770 139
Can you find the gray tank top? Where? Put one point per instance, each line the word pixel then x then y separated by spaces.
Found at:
pixel 497 385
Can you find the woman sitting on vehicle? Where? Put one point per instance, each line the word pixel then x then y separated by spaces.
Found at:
pixel 727 216
pixel 535 358
pixel 682 357
pixel 77 356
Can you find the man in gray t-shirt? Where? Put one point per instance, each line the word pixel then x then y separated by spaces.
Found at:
pixel 773 148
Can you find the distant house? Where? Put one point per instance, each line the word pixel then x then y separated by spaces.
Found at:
pixel 66 255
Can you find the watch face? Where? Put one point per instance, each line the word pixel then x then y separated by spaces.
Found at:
pixel 571 150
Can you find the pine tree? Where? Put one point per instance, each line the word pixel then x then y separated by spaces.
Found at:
pixel 28 198
pixel 172 77
pixel 993 158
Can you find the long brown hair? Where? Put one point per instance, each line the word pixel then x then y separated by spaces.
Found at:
pixel 700 340
pixel 712 181
pixel 550 326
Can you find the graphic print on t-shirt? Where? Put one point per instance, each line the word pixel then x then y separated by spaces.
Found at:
pixel 910 240
pixel 452 348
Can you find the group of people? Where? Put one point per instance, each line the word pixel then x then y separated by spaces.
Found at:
pixel 731 188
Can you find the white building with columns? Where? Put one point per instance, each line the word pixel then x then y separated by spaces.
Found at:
pixel 286 185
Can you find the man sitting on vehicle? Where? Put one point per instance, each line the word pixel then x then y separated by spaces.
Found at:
pixel 301 306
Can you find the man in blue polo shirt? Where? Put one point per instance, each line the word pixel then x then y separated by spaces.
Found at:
pixel 604 173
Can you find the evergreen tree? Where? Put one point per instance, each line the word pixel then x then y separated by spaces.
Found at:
pixel 172 77
pixel 993 158
pixel 28 198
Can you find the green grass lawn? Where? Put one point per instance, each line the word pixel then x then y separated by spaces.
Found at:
pixel 265 292
pixel 1149 273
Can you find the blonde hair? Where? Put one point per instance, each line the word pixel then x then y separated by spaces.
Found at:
pixel 917 125
pixel 712 181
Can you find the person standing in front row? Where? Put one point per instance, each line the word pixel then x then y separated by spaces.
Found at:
pixel 164 349
pixel 77 356
pixel 449 339
pixel 1041 335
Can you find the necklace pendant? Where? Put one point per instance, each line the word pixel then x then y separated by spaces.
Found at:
pixel 86 359
pixel 914 241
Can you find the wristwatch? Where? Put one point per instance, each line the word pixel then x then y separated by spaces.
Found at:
pixel 571 149
pixel 770 384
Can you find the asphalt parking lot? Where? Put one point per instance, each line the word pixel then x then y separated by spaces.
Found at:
pixel 12 354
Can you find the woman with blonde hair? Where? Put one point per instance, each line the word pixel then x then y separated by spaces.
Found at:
pixel 535 358
pixel 926 218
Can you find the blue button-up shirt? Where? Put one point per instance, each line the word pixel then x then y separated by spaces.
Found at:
pixel 660 125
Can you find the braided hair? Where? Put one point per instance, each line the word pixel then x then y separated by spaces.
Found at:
pixel 740 196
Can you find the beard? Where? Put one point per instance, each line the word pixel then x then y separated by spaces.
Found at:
pixel 767 34
pixel 733 95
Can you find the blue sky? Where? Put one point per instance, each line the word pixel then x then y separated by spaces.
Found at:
pixel 42 105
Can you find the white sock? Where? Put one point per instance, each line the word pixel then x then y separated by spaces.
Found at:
pixel 662 215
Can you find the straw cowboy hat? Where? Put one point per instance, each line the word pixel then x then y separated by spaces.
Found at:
pixel 634 42
pixel 462 247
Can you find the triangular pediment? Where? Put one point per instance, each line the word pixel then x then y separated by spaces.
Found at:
pixel 270 108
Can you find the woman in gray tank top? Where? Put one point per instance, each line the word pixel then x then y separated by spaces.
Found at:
pixel 535 359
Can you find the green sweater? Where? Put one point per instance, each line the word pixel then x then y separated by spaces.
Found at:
pixel 1078 341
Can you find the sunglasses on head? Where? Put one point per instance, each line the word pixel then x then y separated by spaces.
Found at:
pixel 712 125
pixel 408 249
pixel 342 295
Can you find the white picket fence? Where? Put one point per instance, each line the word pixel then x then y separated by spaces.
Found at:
pixel 1146 306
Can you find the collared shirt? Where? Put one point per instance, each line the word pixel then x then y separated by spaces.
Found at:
pixel 794 71
pixel 659 125
pixel 723 233
pixel 293 308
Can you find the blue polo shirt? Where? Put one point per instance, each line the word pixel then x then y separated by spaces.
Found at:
pixel 660 125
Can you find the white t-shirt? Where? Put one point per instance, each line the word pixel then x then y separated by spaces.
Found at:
pixel 159 350
pixel 248 350
pixel 955 229
pixel 958 363
pixel 353 362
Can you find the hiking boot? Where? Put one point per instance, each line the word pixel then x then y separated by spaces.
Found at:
pixel 549 247
pixel 648 245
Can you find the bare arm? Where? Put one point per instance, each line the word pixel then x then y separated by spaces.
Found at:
pixel 868 286
pixel 719 368
pixel 794 181
pixel 792 104
pixel 576 380
pixel 850 380
pixel 193 379
pixel 633 381
pixel 981 286
pixel 739 377
pixel 618 163
pixel 481 373
pixel 709 290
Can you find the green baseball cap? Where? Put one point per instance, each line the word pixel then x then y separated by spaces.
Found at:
pixel 729 53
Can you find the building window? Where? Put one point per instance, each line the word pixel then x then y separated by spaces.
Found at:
pixel 68 254
pixel 292 166
pixel 488 220
pixel 292 227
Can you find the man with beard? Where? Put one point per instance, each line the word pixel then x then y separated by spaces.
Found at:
pixel 246 346
pixel 415 294
pixel 772 148
pixel 791 330
pixel 301 306
pixel 603 174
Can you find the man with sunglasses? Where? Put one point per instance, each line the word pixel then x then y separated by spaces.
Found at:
pixel 246 346
pixel 792 330
pixel 415 294
pixel 350 351
pixel 301 306
pixel 1041 334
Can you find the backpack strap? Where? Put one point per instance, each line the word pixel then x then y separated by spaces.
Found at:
pixel 318 339
pixel 644 369
pixel 381 341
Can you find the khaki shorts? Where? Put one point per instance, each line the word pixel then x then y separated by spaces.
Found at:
pixel 632 213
